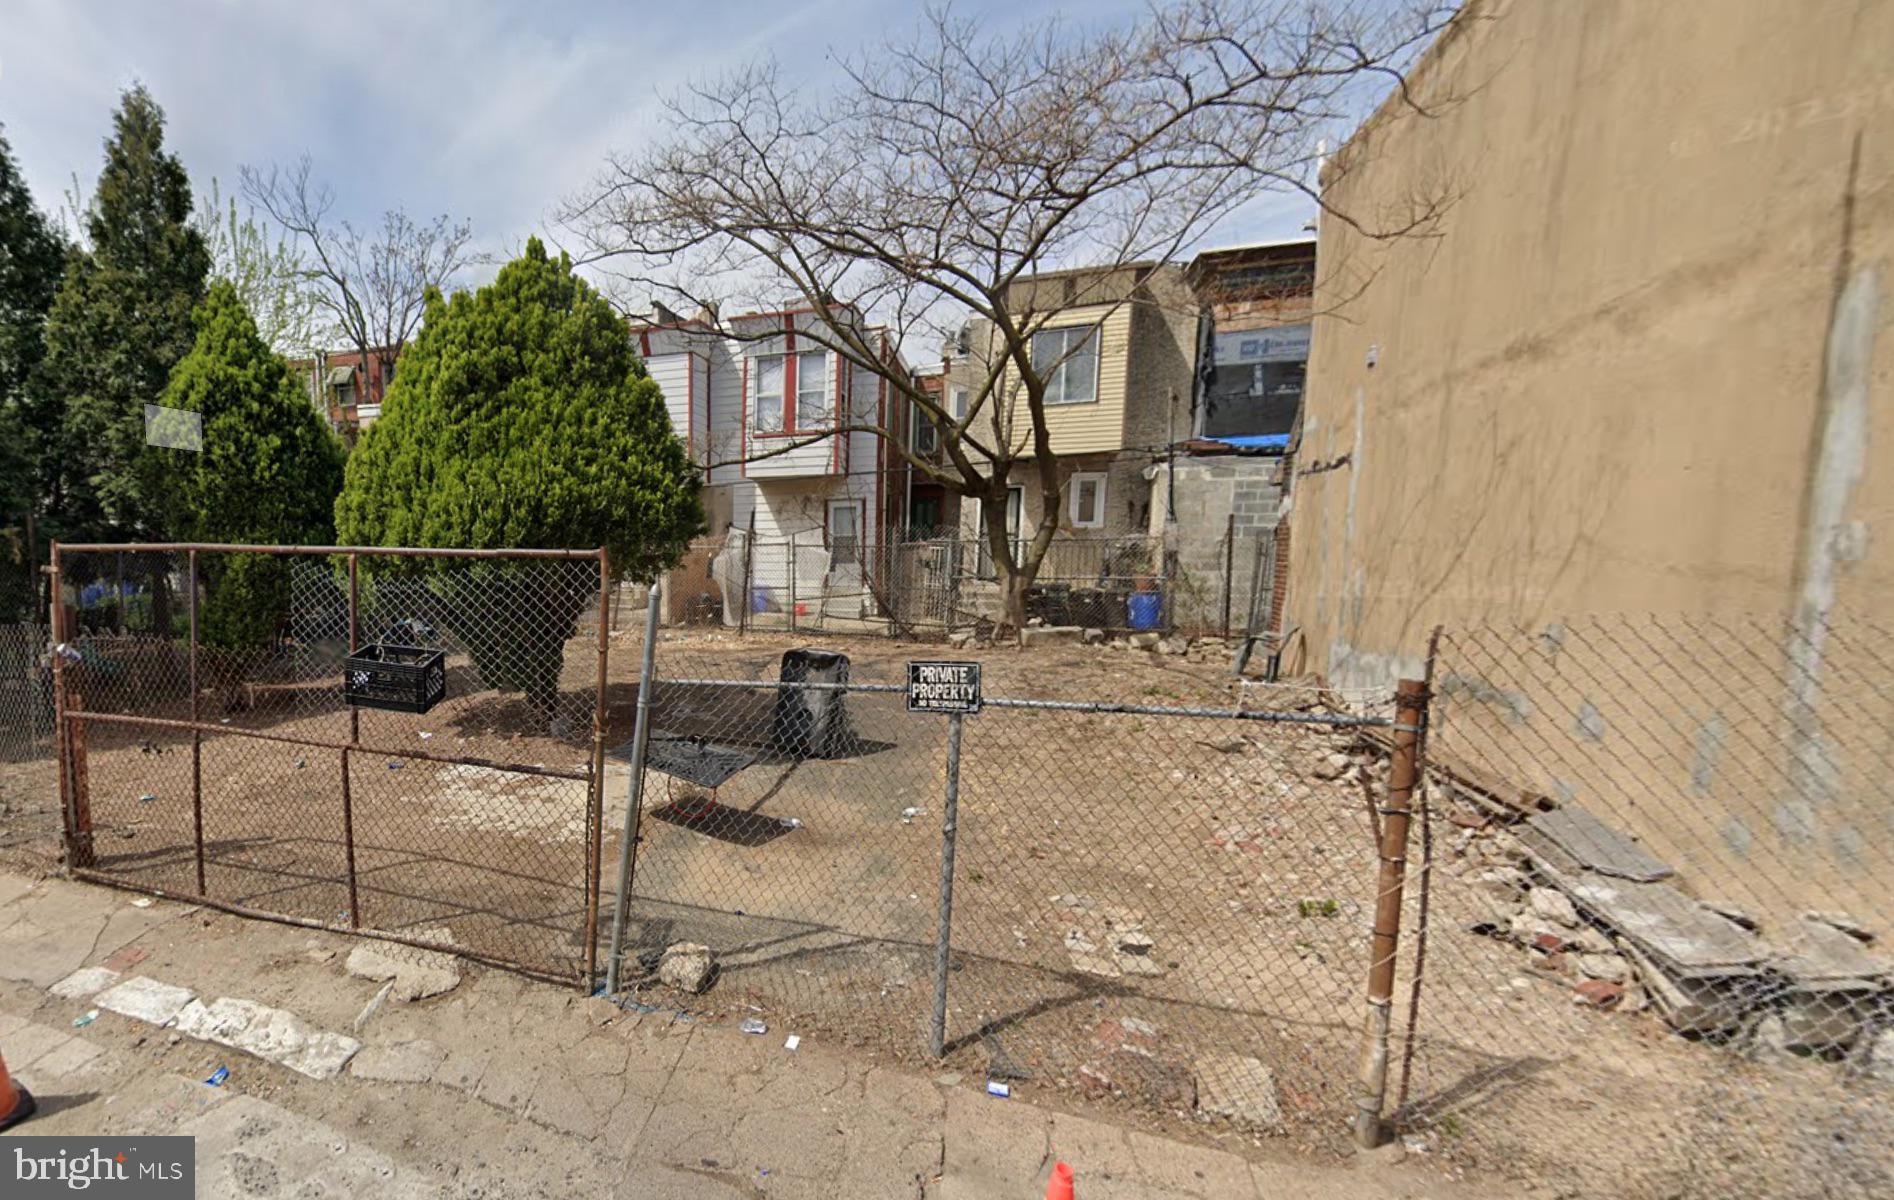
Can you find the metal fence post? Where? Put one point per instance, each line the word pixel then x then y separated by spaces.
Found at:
pixel 197 736
pixel 355 737
pixel 943 937
pixel 1229 569
pixel 792 583
pixel 595 792
pixel 749 565
pixel 1410 713
pixel 634 794
pixel 72 801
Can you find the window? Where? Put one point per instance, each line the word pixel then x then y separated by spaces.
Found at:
pixel 959 408
pixel 1085 500
pixel 812 390
pixel 1068 358
pixel 766 395
pixel 926 436
pixel 845 533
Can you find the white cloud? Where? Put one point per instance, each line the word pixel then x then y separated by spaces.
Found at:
pixel 483 110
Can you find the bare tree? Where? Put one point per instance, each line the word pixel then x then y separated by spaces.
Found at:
pixel 373 281
pixel 269 270
pixel 947 171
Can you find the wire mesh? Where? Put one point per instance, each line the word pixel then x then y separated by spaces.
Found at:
pixel 29 809
pixel 1656 892
pixel 1150 903
pixel 213 751
pixel 811 581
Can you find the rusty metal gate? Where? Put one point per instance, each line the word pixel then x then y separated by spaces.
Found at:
pixel 208 750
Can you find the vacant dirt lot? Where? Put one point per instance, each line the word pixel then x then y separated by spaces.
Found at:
pixel 1169 913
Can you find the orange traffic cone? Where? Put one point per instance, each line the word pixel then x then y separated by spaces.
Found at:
pixel 16 1103
pixel 1059 1187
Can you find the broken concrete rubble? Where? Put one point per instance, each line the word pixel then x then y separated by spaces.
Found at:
pixel 687 966
pixel 1051 635
pixel 1240 1088
pixel 1554 906
pixel 1332 766
pixel 416 973
pixel 272 1034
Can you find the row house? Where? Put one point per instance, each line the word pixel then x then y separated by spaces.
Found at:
pixel 783 429
pixel 1174 392
pixel 347 387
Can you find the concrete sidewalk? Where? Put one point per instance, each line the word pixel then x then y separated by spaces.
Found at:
pixel 502 1087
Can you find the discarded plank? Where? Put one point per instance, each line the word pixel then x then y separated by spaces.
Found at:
pixel 1688 938
pixel 1588 844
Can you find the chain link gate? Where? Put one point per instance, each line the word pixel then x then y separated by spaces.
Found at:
pixel 1171 903
pixel 211 749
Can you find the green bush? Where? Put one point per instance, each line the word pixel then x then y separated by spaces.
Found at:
pixel 521 418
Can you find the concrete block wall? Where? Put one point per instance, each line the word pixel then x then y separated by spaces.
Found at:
pixel 1208 492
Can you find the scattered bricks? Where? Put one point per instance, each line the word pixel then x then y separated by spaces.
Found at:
pixel 1554 964
pixel 1548 943
pixel 1093 1081
pixel 1094 637
pixel 1598 993
pixel 1125 1031
pixel 126 958
pixel 1145 641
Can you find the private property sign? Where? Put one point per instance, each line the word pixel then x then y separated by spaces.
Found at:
pixel 944 687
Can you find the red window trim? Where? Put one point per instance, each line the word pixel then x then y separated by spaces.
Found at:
pixel 791 427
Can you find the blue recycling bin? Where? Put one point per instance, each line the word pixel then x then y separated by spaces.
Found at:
pixel 1144 610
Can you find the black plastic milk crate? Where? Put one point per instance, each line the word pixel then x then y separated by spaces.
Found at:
pixel 398 678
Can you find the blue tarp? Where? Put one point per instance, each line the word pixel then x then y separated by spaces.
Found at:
pixel 1255 441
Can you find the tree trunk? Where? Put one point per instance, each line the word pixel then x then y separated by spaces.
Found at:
pixel 1016 566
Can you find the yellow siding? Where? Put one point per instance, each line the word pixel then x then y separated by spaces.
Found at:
pixel 1085 428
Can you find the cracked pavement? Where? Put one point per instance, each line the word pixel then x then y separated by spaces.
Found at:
pixel 505 1087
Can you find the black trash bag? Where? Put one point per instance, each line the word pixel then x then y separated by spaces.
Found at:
pixel 813 722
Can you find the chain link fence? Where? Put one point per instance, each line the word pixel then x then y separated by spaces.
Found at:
pixel 1158 887
pixel 26 707
pixel 29 809
pixel 1653 887
pixel 812 582
pixel 1639 933
pixel 401 743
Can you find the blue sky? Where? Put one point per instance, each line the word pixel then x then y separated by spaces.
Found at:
pixel 486 111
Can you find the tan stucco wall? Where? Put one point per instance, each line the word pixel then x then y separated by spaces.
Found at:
pixel 1642 365
pixel 1599 388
